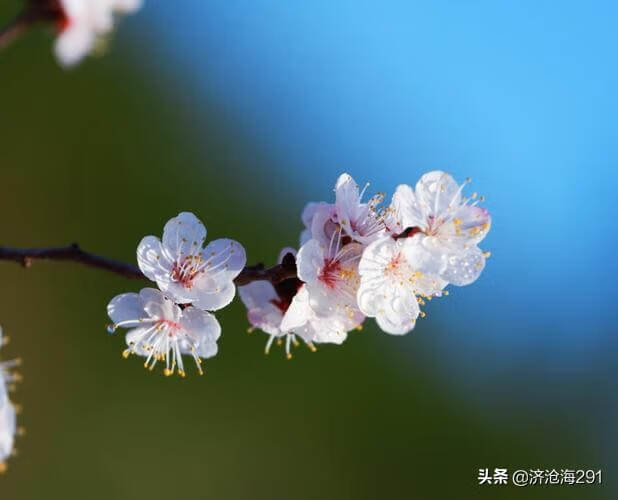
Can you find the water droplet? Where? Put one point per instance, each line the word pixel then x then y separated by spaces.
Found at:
pixel 111 328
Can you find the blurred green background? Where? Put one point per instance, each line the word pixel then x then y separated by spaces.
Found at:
pixel 104 155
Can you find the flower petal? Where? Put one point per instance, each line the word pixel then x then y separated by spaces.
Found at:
pixel 158 305
pixel 153 261
pixel 183 235
pixel 8 427
pixel 405 211
pixel 224 259
pixel 203 329
pixel 437 191
pixel 212 296
pixel 465 267
pixel 299 311
pixel 309 261
pixel 125 307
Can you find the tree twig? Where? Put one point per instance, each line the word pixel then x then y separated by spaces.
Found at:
pixel 19 25
pixel 73 253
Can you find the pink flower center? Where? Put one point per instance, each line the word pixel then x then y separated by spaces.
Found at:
pixel 329 274
pixel 171 326
pixel 185 271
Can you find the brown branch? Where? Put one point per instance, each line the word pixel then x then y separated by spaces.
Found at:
pixel 73 253
pixel 19 25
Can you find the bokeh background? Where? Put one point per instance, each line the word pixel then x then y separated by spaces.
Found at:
pixel 242 111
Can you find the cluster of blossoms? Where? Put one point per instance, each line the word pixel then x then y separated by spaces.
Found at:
pixel 356 260
pixel 8 411
pixel 193 281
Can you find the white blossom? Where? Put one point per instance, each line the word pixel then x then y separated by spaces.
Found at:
pixel 362 222
pixel 8 428
pixel 283 312
pixel 448 225
pixel 186 271
pixel 331 276
pixel 392 285
pixel 302 319
pixel 83 23
pixel 358 221
pixel 161 331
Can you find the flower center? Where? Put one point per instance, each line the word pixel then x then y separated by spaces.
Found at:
pixel 186 270
pixel 329 274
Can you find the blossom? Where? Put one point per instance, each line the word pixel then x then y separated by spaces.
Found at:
pixel 8 412
pixel 7 376
pixel 8 429
pixel 161 331
pixel 448 225
pixel 187 272
pixel 331 276
pixel 358 221
pixel 282 311
pixel 302 319
pixel 392 285
pixel 362 222
pixel 82 23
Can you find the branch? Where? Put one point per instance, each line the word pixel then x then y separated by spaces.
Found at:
pixel 19 25
pixel 73 253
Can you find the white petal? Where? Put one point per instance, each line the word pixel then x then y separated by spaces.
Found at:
pixel 73 44
pixel 257 294
pixel 405 211
pixel 126 307
pixel 347 196
pixel 153 261
pixel 158 305
pixel 328 331
pixel 377 255
pixel 309 261
pixel 420 257
pixel 7 427
pixel 136 338
pixel 202 328
pixel 183 235
pixel 225 260
pixel 212 296
pixel 322 225
pixel 436 191
pixel 299 311
pixel 465 267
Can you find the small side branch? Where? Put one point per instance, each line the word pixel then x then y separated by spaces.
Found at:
pixel 73 253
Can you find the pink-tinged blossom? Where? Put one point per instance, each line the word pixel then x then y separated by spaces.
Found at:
pixel 362 222
pixel 392 285
pixel 188 272
pixel 160 330
pixel 330 274
pixel 448 225
pixel 357 221
pixel 283 312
